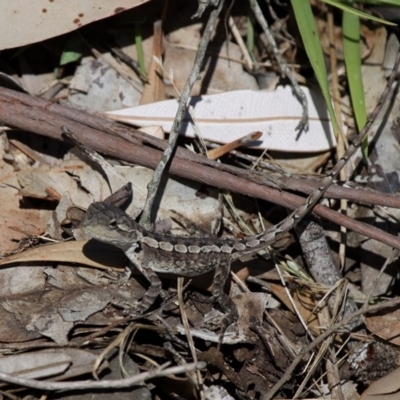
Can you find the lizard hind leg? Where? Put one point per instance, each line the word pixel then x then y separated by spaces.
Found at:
pixel 227 304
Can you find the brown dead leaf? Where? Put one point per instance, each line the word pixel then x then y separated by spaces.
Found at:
pixel 30 221
pixel 69 296
pixel 386 325
pixel 386 388
pixel 38 182
pixel 304 304
pixel 251 307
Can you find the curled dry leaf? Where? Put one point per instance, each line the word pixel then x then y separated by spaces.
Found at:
pixel 89 253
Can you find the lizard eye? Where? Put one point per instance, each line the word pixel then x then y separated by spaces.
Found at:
pixel 113 224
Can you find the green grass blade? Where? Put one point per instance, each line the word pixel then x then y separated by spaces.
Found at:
pixel 308 31
pixel 139 48
pixel 359 13
pixel 352 59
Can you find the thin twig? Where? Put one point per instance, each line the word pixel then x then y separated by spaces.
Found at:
pixel 226 148
pixel 189 337
pixel 342 143
pixel 239 40
pixel 303 124
pixel 106 384
pixel 176 126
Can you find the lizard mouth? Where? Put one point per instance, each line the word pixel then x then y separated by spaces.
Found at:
pixel 106 236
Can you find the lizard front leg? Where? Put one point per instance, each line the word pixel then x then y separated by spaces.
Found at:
pixel 155 283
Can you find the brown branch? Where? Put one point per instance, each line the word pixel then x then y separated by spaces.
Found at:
pixel 362 196
pixel 57 115
pixel 116 140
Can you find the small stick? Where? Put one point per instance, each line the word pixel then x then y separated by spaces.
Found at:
pixel 176 126
pixel 226 148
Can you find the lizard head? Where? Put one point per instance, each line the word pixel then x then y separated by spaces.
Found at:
pixel 109 224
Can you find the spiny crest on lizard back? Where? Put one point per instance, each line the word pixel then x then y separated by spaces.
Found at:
pixel 110 224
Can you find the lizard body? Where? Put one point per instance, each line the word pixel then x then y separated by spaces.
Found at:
pixel 192 256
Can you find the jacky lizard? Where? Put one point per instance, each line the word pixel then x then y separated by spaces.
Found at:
pixel 192 256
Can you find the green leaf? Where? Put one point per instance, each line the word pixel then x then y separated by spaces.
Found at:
pixel 250 33
pixel 383 2
pixel 359 13
pixel 352 60
pixel 72 52
pixel 139 48
pixel 308 31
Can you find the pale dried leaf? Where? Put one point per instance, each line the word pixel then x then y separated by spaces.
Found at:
pixel 21 279
pixel 37 364
pixel 51 301
pixel 92 181
pixel 217 392
pixel 82 362
pixel 229 116
pixel 37 20
pixel 181 195
pixel 41 364
pixel 56 319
